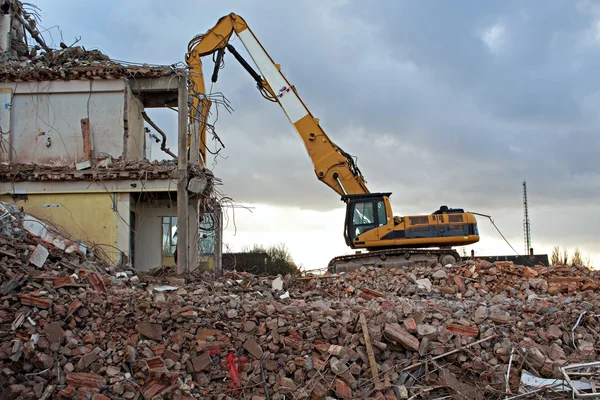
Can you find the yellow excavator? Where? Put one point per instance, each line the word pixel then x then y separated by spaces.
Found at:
pixel 390 241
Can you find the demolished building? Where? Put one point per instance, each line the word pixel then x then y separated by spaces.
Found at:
pixel 76 327
pixel 74 149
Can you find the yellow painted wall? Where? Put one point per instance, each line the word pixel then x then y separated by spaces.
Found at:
pixel 79 216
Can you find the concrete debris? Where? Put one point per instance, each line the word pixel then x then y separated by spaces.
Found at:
pixel 23 60
pixel 233 337
pixel 16 224
pixel 116 169
pixel 72 63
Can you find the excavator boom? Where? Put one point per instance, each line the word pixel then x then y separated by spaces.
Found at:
pixel 333 166
pixel 370 224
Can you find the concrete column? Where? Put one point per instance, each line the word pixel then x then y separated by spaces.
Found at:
pixel 124 229
pixel 182 178
pixel 218 240
pixel 193 236
pixel 194 143
pixel 5 24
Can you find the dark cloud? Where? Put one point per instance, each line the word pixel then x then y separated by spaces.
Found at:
pixel 442 102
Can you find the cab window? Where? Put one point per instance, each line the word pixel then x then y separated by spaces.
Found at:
pixel 363 217
pixel 381 215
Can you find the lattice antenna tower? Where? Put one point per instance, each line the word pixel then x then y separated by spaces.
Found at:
pixel 526 223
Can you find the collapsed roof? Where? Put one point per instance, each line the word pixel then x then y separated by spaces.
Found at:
pixel 22 60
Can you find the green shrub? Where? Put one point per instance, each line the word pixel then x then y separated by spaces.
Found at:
pixel 281 260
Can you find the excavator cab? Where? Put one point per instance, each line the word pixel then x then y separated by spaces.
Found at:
pixel 364 212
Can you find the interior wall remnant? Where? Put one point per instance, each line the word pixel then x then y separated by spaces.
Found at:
pixel 6 147
pixel 46 120
pixel 87 138
pixel 124 228
pixel 193 236
pixel 182 178
pixel 148 232
pixel 89 217
pixel 135 135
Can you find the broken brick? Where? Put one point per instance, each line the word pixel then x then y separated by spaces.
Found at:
pixel 342 390
pixel 201 362
pixel 85 380
pixel 39 302
pixel 398 334
pixel 55 333
pixel 150 330
pixel 201 345
pixel 370 294
pixel 463 330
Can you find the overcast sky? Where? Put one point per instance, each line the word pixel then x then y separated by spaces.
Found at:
pixel 443 102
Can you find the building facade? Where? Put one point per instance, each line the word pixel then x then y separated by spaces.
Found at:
pixel 73 147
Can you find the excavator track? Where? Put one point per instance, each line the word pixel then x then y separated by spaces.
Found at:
pixel 396 258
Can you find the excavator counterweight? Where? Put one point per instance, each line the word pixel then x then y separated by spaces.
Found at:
pixel 370 225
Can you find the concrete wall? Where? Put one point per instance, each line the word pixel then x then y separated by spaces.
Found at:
pixel 86 211
pixel 5 124
pixel 135 136
pixel 124 228
pixel 45 121
pixel 148 233
pixel 78 216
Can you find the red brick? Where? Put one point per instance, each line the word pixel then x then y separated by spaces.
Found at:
pixel 96 282
pixel 398 334
pixel 85 379
pixel 318 364
pixel 171 355
pixel 155 364
pixel 153 388
pixel 201 362
pixel 63 281
pixel 369 294
pixel 74 307
pixel 158 350
pixel 293 342
pixel 178 311
pixel 504 264
pixel 39 302
pixel 342 390
pixel 461 285
pixel 463 330
pixel 67 393
pixel 319 391
pixel 55 333
pixel 150 330
pixel 410 325
pixel 201 345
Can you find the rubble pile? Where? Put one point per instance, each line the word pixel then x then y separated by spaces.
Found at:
pixel 74 62
pixel 27 56
pixel 423 332
pixel 49 64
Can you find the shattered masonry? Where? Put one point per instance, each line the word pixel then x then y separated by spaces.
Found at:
pixel 78 328
pixel 74 326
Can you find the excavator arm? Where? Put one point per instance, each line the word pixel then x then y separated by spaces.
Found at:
pixel 370 224
pixel 332 165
